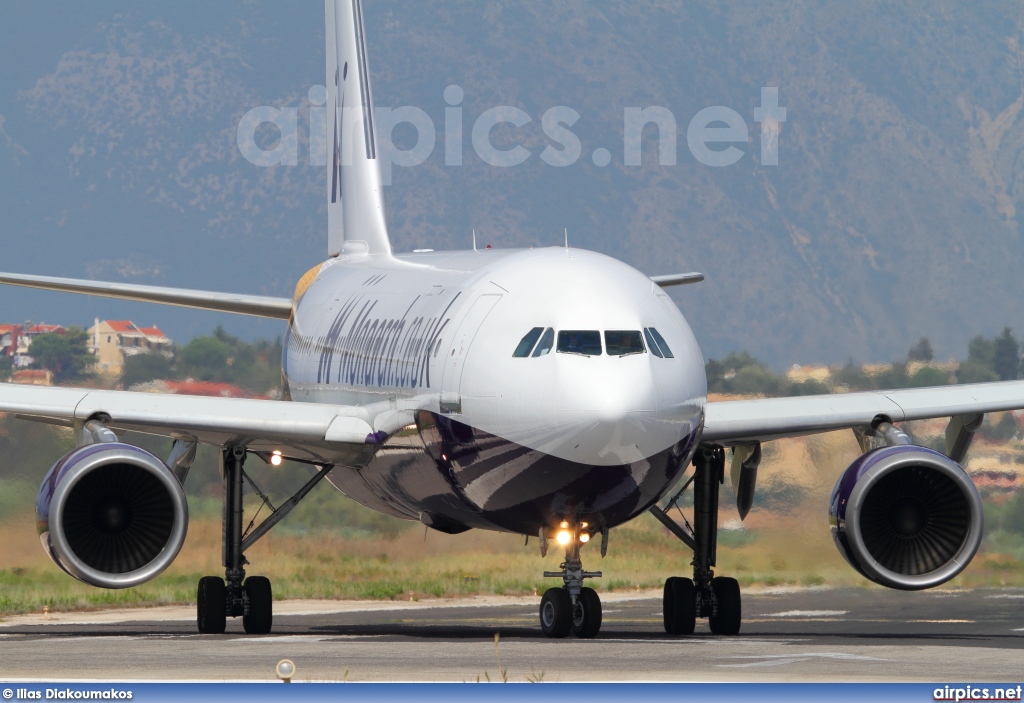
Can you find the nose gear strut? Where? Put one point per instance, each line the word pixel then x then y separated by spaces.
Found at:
pixel 573 607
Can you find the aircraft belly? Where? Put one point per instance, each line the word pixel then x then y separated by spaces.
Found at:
pixel 448 470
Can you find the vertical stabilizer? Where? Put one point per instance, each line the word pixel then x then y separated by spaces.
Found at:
pixel 355 197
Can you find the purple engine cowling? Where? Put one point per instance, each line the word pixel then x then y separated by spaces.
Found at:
pixel 111 515
pixel 906 517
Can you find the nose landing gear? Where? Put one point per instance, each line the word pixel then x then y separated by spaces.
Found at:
pixel 573 607
pixel 716 598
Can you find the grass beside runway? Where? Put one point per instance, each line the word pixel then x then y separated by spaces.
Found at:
pixel 791 548
pixel 784 541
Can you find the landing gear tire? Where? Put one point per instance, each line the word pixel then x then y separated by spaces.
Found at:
pixel 680 606
pixel 556 612
pixel 260 614
pixel 211 605
pixel 726 618
pixel 586 617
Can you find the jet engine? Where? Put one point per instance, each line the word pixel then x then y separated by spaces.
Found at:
pixel 111 515
pixel 906 517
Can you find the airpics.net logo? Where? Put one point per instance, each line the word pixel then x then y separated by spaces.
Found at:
pixel 716 136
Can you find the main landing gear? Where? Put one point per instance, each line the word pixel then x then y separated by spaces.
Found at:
pixel 252 598
pixel 573 607
pixel 705 595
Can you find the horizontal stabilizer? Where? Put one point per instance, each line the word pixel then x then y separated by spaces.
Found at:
pixel 677 279
pixel 257 305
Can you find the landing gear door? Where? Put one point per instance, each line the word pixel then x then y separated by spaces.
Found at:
pixel 455 360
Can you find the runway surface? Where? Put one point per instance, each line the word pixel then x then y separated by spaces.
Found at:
pixel 788 635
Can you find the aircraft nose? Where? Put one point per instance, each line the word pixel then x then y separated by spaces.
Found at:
pixel 613 408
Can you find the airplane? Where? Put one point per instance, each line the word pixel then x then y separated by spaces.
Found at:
pixel 553 392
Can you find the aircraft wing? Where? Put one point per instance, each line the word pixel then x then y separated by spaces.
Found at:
pixel 334 434
pixel 257 305
pixel 678 279
pixel 735 422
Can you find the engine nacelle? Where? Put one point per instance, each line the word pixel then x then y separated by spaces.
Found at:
pixel 906 517
pixel 111 515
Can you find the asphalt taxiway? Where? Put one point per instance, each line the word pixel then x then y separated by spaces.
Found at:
pixel 807 634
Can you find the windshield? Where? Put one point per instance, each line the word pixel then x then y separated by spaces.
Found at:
pixel 586 342
pixel 651 344
pixel 526 345
pixel 544 346
pixel 662 343
pixel 622 342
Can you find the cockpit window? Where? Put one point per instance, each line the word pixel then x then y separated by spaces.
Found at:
pixel 586 342
pixel 547 340
pixel 662 344
pixel 651 344
pixel 622 342
pixel 526 345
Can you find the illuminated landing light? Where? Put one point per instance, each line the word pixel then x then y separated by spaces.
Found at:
pixel 563 524
pixel 563 537
pixel 584 538
pixel 276 458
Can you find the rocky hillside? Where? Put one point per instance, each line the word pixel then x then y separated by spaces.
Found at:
pixel 895 210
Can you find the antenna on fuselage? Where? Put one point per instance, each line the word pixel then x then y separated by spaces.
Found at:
pixel 474 239
pixel 566 237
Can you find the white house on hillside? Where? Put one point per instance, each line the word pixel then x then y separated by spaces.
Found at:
pixel 113 340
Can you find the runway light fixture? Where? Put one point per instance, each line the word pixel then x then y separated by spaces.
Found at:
pixel 285 670
pixel 563 537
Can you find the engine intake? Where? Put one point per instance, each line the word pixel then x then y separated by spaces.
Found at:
pixel 906 517
pixel 111 515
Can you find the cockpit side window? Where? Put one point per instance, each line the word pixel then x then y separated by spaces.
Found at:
pixel 527 343
pixel 623 342
pixel 585 342
pixel 547 341
pixel 662 343
pixel 651 344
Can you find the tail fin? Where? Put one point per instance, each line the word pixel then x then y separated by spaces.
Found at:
pixel 355 197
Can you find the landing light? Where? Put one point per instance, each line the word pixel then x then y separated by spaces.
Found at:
pixel 584 538
pixel 276 458
pixel 563 524
pixel 563 537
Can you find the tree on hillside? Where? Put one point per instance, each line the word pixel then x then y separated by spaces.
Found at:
pixel 975 372
pixel 1006 355
pixel 206 359
pixel 739 372
pixel 922 351
pixel 65 355
pixel 6 366
pixel 981 351
pixel 254 366
pixel 143 368
pixel 853 377
pixel 980 366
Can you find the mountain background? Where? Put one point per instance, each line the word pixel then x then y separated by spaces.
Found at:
pixel 895 212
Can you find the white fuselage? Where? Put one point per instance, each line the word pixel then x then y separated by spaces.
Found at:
pixel 428 336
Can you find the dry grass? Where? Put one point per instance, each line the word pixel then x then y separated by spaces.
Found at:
pixel 785 540
pixel 791 549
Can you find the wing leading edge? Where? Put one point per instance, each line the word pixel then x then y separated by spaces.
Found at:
pixel 256 305
pixel 334 434
pixel 735 422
